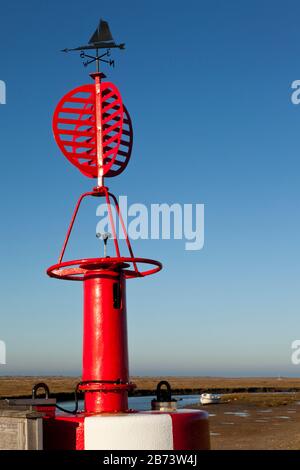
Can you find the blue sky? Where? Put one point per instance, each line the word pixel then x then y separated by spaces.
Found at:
pixel 208 86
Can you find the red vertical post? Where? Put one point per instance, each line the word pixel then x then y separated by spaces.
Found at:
pixel 99 138
pixel 105 349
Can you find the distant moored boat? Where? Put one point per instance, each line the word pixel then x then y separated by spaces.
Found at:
pixel 209 398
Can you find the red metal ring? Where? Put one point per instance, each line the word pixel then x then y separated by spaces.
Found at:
pixel 87 266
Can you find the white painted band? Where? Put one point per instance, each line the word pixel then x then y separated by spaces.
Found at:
pixel 140 431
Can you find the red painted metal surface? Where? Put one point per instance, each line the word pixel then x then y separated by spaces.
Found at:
pixel 124 153
pixel 105 352
pixel 63 433
pixel 83 267
pixel 105 357
pixel 93 129
pixel 76 270
pixel 190 430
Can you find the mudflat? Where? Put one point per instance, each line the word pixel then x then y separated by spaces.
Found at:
pixel 22 385
pixel 247 425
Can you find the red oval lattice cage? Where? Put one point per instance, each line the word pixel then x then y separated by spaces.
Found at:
pixel 74 127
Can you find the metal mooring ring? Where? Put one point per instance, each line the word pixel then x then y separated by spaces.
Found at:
pixel 42 385
pixel 163 395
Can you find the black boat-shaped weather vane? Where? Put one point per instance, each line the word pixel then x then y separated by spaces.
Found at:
pixel 101 39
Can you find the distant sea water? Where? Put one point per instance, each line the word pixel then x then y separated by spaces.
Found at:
pixel 141 403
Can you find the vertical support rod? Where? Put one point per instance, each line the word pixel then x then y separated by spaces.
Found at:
pixel 112 223
pixel 98 99
pixel 105 349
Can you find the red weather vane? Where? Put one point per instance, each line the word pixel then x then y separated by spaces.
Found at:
pixel 91 125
